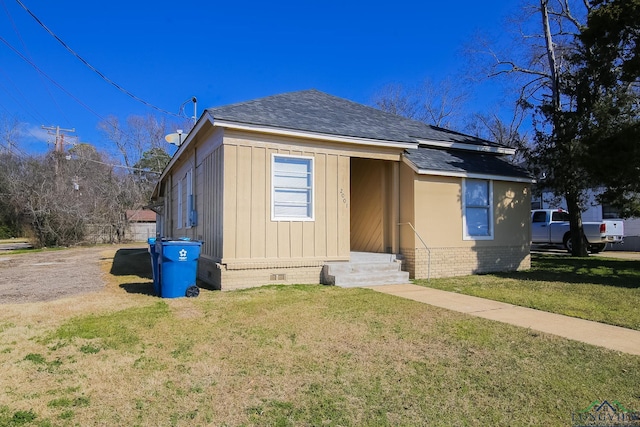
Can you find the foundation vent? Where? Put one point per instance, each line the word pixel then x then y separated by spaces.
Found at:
pixel 278 277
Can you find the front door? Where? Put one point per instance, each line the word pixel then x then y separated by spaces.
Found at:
pixel 372 205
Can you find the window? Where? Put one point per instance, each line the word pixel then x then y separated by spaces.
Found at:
pixel 292 188
pixel 180 207
pixel 609 212
pixel 191 205
pixel 477 207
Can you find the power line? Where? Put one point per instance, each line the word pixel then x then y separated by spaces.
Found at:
pixel 28 61
pixel 92 68
pixel 118 166
pixel 17 52
pixel 28 108
pixel 12 148
pixel 46 87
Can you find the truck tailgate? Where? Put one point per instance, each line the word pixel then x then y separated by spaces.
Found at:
pixel 614 230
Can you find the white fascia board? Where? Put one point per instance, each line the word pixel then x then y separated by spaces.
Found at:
pixel 313 135
pixel 203 119
pixel 466 174
pixel 468 147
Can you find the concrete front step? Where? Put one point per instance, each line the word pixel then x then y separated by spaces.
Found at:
pixel 348 267
pixel 365 269
pixel 354 280
pixel 371 257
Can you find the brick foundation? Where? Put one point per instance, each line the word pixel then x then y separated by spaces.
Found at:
pixel 448 262
pixel 257 274
pixel 445 262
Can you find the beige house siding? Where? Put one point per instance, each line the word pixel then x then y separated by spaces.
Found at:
pixel 375 202
pixel 360 196
pixel 209 183
pixel 242 244
pixel 433 204
pixel 367 205
pixel 250 235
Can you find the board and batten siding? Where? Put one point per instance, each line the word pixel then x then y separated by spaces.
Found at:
pixel 205 161
pixel 209 181
pixel 249 233
pixel 368 182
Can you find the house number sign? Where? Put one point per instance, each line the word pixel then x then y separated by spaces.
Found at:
pixel 343 197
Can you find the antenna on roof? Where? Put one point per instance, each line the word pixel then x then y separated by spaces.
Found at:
pixel 195 108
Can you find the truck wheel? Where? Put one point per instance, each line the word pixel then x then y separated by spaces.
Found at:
pixel 598 247
pixel 566 241
pixel 568 244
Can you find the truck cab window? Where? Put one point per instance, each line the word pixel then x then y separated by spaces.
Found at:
pixel 560 216
pixel 539 217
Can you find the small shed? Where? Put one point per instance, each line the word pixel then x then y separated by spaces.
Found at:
pixel 141 224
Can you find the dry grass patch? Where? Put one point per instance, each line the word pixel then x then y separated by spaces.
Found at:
pixel 290 356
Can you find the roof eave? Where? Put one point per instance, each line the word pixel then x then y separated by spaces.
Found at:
pixel 204 118
pixel 313 135
pixel 467 147
pixel 464 174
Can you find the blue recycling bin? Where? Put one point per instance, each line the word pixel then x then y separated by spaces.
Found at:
pixel 154 264
pixel 178 267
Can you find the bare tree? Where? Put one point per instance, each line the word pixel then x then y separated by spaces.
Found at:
pixel 394 98
pixel 439 104
pixel 492 127
pixel 137 135
pixel 547 36
pixel 59 197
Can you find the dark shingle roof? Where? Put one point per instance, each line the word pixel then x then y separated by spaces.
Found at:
pixel 319 112
pixel 461 161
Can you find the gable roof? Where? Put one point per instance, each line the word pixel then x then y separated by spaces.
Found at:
pixel 433 161
pixel 318 112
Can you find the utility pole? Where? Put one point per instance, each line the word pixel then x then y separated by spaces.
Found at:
pixel 58 149
pixel 59 144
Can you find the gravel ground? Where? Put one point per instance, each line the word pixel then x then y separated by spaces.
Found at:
pixel 50 275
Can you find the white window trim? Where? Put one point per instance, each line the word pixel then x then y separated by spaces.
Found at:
pixel 190 199
pixel 180 206
pixel 273 190
pixel 465 234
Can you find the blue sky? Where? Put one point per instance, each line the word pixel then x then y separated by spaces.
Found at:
pixel 167 52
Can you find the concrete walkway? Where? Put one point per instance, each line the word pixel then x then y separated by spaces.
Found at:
pixel 611 337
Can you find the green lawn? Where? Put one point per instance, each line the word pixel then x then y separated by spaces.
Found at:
pixel 294 356
pixel 310 355
pixel 595 288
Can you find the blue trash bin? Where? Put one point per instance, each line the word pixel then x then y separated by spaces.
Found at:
pixel 154 265
pixel 178 267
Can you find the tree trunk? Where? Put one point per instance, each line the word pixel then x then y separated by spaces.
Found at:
pixel 579 243
pixel 551 55
pixel 563 141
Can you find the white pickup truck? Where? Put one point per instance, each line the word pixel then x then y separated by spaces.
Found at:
pixel 551 227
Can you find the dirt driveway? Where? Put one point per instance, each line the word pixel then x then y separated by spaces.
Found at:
pixel 50 275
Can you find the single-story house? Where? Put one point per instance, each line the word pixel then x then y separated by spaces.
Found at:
pixel 278 187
